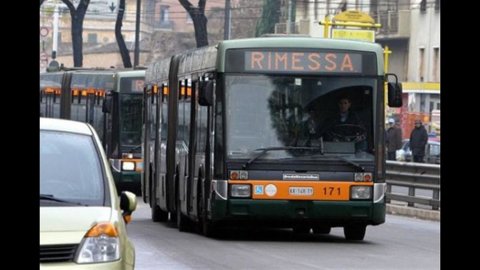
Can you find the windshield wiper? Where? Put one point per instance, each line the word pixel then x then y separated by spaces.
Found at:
pixel 354 164
pixel 265 150
pixel 135 148
pixel 49 197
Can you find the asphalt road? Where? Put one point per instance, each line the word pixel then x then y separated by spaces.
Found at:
pixel 400 243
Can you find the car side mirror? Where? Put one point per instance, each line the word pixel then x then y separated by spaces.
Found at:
pixel 394 91
pixel 205 97
pixel 128 204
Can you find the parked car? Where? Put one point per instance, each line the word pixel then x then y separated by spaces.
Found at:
pixel 82 219
pixel 432 152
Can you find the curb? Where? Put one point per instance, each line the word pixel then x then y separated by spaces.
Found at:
pixel 413 212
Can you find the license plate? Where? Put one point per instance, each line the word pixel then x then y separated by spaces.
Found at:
pixel 300 191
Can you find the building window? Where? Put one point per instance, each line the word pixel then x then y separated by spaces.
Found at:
pixel 437 5
pixel 436 64
pixel 423 6
pixel 164 14
pixel 92 38
pixel 421 64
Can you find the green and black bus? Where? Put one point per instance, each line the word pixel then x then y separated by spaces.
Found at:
pixel 229 138
pixel 111 101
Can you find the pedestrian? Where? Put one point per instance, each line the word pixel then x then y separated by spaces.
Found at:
pixel 418 141
pixel 394 139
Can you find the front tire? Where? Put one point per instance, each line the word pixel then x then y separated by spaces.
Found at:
pixel 354 232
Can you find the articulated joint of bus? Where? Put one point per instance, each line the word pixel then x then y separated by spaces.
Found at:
pixel 127 164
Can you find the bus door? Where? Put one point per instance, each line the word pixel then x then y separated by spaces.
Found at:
pixel 50 102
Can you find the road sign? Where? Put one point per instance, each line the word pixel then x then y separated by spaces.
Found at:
pixel 354 34
pixel 44 31
pixel 354 16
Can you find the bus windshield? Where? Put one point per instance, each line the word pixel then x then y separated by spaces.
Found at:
pixel 131 120
pixel 301 114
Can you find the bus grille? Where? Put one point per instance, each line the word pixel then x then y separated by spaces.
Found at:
pixel 57 253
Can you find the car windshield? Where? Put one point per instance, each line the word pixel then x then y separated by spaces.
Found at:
pixel 290 112
pixel 70 169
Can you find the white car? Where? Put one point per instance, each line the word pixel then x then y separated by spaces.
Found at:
pixel 432 152
pixel 82 219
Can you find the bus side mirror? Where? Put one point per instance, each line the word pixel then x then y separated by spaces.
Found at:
pixel 107 103
pixel 205 97
pixel 394 92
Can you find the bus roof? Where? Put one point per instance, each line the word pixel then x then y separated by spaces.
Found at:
pixel 214 56
pixel 130 73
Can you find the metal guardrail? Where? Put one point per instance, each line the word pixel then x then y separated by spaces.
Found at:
pixel 413 175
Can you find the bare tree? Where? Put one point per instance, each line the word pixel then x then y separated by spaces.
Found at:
pixel 118 35
pixel 77 15
pixel 199 20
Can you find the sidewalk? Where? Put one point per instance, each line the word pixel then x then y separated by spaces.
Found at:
pixel 399 208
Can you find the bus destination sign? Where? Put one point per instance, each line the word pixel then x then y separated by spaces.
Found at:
pixel 305 62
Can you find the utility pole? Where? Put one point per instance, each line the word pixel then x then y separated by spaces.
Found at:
pixel 55 32
pixel 137 36
pixel 228 20
pixel 289 16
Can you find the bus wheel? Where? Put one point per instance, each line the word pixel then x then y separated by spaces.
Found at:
pixel 354 232
pixel 182 222
pixel 321 229
pixel 158 215
pixel 207 227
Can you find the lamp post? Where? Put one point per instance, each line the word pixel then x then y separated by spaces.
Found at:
pixel 137 36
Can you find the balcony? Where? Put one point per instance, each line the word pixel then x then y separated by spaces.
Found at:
pixel 395 24
pixel 164 25
pixel 300 27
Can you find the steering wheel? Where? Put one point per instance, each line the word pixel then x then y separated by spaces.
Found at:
pixel 348 133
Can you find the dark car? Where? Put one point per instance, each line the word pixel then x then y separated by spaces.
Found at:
pixel 432 152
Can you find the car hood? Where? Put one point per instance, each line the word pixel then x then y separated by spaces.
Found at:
pixel 69 224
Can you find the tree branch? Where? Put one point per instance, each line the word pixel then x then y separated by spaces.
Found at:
pixel 69 4
pixel 185 3
pixel 201 5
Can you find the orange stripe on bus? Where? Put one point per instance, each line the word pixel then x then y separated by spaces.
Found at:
pixel 312 190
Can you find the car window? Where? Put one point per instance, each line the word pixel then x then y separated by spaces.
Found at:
pixel 70 168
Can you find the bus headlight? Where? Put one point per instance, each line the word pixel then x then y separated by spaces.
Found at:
pixel 128 166
pixel 240 191
pixel 360 192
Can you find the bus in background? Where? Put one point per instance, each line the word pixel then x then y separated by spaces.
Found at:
pixel 229 139
pixel 108 100
pixel 123 128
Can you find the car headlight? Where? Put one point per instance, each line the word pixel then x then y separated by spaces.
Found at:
pixel 360 192
pixel 128 166
pixel 100 244
pixel 240 191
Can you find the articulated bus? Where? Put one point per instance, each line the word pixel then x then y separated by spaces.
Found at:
pixel 111 101
pixel 228 136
